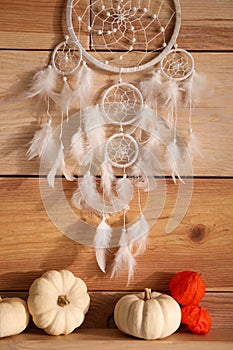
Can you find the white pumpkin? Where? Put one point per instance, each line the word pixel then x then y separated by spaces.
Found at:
pixel 14 316
pixel 58 302
pixel 147 315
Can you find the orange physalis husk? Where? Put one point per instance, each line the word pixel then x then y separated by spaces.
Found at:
pixel 196 318
pixel 187 287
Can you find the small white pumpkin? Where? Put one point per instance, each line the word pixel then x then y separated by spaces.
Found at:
pixel 14 316
pixel 147 315
pixel 58 302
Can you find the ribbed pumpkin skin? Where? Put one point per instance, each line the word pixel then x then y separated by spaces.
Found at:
pixel 14 316
pixel 187 287
pixel 155 318
pixel 43 302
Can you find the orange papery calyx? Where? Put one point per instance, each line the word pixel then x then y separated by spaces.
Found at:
pixel 196 318
pixel 187 287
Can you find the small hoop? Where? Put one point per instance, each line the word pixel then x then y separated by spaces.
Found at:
pixel 66 60
pixel 113 150
pixel 165 65
pixel 125 103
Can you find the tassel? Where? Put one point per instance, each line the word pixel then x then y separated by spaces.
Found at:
pixel 40 141
pixel 124 189
pixel 107 178
pixel 101 242
pixel 138 234
pixel 84 85
pixel 194 145
pixel 124 257
pixel 78 149
pixel 59 164
pixel 151 89
pixel 43 83
pixel 174 161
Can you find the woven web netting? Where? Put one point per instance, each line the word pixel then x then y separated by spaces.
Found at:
pixel 122 33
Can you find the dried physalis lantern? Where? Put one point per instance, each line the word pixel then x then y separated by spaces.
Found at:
pixel 187 287
pixel 196 318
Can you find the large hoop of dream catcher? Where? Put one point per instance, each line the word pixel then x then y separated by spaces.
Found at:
pixel 127 27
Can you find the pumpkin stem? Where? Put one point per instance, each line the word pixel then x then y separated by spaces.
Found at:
pixel 148 294
pixel 62 300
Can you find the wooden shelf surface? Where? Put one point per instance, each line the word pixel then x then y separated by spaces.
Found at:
pixel 101 339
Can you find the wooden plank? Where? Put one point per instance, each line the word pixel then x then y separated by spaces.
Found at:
pixel 100 313
pixel 202 242
pixel 205 25
pixel 111 339
pixel 20 118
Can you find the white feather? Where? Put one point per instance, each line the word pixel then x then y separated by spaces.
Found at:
pixel 148 122
pixel 78 148
pixel 172 96
pixel 124 189
pixel 83 86
pixel 107 178
pixel 195 89
pixel 194 145
pixel 174 160
pixel 138 234
pixel 77 199
pixel 65 97
pixel 89 192
pixel 94 126
pixel 56 166
pixel 151 89
pixel 40 140
pixel 101 242
pixel 59 164
pixel 43 83
pixel 124 257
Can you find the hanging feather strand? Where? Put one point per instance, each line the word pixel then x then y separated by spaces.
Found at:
pixel 59 164
pixel 138 234
pixel 43 83
pixel 151 89
pixel 173 160
pixel 107 178
pixel 124 257
pixel 40 140
pixel 78 148
pixel 101 242
pixel 124 189
pixel 83 86
pixel 194 145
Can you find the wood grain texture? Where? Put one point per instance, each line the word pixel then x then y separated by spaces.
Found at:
pixel 100 313
pixel 38 25
pixel 31 244
pixel 20 118
pixel 111 339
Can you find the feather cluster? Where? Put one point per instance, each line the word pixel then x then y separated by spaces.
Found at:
pixel 134 236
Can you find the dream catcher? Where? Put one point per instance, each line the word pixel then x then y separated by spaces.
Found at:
pixel 123 132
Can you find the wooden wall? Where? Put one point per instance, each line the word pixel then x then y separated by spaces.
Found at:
pixel 31 244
